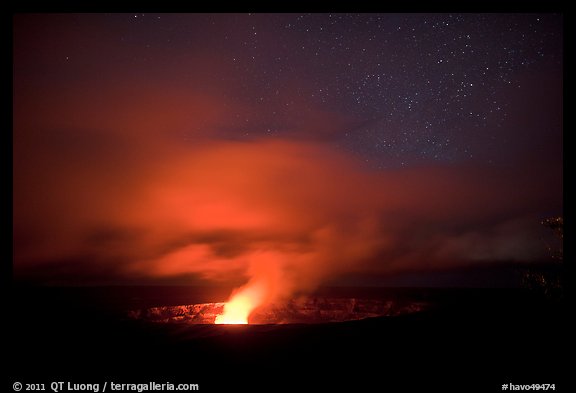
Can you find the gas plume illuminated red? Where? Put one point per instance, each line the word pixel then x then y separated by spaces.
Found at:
pixel 283 214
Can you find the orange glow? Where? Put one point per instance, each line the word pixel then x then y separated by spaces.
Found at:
pixel 235 312
pixel 241 305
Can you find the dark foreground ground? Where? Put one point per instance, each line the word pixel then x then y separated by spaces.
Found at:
pixel 470 340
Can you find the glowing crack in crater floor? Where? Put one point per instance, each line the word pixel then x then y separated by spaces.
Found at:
pixel 307 310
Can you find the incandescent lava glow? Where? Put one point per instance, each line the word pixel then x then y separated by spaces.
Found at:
pixel 241 304
pixel 236 311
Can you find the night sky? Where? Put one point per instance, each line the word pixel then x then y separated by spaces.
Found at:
pixel 211 148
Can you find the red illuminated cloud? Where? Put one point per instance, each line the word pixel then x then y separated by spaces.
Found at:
pixel 140 182
pixel 220 210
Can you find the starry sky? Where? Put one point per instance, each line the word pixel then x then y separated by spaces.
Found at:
pixel 202 147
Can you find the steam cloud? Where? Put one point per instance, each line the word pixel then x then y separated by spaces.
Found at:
pixel 133 199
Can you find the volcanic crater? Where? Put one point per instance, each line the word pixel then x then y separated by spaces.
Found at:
pixel 309 310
